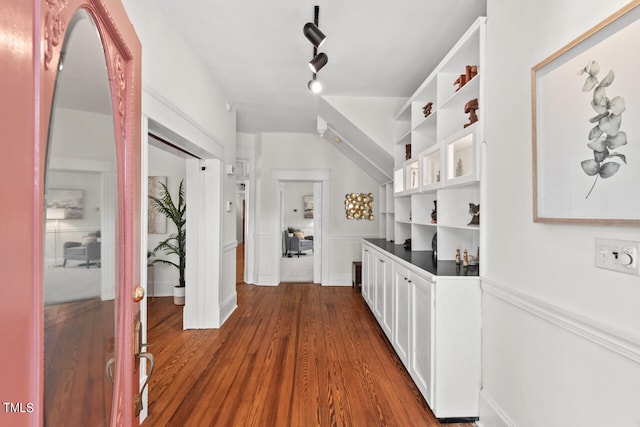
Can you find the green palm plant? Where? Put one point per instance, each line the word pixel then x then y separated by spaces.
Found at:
pixel 175 243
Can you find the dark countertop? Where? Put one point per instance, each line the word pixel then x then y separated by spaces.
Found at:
pixel 425 260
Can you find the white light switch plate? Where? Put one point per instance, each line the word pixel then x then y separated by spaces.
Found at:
pixel 618 255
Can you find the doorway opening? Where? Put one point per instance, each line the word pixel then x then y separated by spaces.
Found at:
pixel 283 244
pixel 166 167
pixel 297 218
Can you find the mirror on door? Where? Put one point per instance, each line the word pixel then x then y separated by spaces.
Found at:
pixel 79 235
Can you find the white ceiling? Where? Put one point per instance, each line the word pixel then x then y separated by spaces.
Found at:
pixel 258 54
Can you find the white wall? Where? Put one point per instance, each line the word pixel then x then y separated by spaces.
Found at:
pixel 162 163
pixel 171 68
pixel 309 151
pixel 293 206
pixel 551 320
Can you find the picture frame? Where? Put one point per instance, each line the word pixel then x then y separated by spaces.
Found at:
pixel 156 222
pixel 586 146
pixel 65 203
pixel 307 202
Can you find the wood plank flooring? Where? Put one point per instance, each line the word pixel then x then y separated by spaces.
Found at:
pixel 79 339
pixel 292 355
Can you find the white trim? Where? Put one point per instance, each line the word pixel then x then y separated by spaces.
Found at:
pixel 610 338
pixel 338 279
pixel 491 414
pixel 144 247
pixel 227 307
pixel 80 165
pixel 381 173
pixel 229 246
pixel 165 116
pixel 348 237
pixel 250 241
pixel 301 174
pixel 266 280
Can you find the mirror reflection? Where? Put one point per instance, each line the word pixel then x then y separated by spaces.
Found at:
pixel 79 235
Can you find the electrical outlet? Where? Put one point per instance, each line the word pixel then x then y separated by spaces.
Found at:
pixel 618 255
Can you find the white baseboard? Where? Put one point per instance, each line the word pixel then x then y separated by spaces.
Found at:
pixel 338 280
pixel 227 307
pixel 265 280
pixel 491 415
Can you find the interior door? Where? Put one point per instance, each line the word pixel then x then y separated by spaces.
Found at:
pixel 32 52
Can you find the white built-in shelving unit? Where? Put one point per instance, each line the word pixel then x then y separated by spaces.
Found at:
pixel 387 210
pixel 445 157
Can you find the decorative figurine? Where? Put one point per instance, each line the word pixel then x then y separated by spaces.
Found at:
pixel 460 81
pixel 426 110
pixel 459 168
pixel 407 244
pixel 458 256
pixel 474 260
pixel 474 210
pixel 434 213
pixel 470 108
pixel 472 71
pixel 465 259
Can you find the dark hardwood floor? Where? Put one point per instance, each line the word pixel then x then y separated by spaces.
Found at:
pixel 293 355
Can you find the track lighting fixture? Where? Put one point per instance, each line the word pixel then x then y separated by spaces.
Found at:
pixel 316 37
pixel 319 61
pixel 313 34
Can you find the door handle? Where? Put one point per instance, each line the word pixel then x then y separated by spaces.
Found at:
pixel 138 398
pixel 152 364
pixel 108 370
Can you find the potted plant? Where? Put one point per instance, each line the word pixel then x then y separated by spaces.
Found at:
pixel 175 243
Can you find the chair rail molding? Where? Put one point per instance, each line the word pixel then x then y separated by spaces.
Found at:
pixel 610 338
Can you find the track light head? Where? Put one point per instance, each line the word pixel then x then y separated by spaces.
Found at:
pixel 314 85
pixel 313 34
pixel 319 61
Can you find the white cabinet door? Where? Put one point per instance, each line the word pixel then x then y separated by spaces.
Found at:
pixel 387 291
pixel 378 283
pixel 384 297
pixel 401 324
pixel 366 274
pixel 457 347
pixel 421 327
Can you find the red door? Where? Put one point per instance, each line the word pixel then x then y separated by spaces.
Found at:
pixel 32 34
